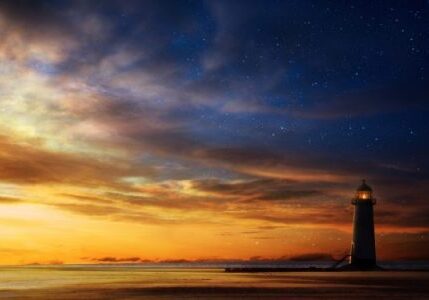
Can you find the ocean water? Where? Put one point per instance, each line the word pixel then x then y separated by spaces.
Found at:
pixel 159 275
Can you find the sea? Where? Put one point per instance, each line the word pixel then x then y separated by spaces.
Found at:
pixel 150 275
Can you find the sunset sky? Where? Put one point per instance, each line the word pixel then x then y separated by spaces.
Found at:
pixel 166 130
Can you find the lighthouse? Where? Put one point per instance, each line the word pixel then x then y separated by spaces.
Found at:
pixel 362 254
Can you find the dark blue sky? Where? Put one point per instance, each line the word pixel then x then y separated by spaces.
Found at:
pixel 337 86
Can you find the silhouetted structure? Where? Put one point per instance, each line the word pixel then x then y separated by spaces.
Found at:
pixel 362 253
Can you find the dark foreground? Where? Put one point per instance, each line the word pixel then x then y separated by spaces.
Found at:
pixel 215 284
pixel 222 293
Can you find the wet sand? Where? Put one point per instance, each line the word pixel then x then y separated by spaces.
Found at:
pixel 217 285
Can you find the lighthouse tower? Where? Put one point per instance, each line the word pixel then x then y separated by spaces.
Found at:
pixel 362 254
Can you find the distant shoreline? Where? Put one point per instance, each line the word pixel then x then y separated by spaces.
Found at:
pixel 319 265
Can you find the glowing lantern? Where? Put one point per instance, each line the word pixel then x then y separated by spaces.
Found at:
pixel 364 193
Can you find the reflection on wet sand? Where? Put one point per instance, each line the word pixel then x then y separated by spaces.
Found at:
pixel 140 283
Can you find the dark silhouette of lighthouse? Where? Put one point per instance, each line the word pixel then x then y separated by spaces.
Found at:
pixel 362 254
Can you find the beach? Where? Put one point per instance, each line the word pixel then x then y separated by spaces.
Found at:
pixel 83 282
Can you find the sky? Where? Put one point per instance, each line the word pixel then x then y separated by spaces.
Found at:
pixel 211 130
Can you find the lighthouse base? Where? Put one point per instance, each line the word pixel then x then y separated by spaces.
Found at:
pixel 361 265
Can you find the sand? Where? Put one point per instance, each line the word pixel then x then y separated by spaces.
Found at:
pixel 215 284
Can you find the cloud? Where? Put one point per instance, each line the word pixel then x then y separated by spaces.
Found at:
pixel 88 209
pixel 33 30
pixel 10 200
pixel 413 217
pixel 312 257
pixel 257 189
pixel 138 214
pixel 26 164
pixel 9 251
pixel 87 198
pixel 309 216
pixel 110 259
